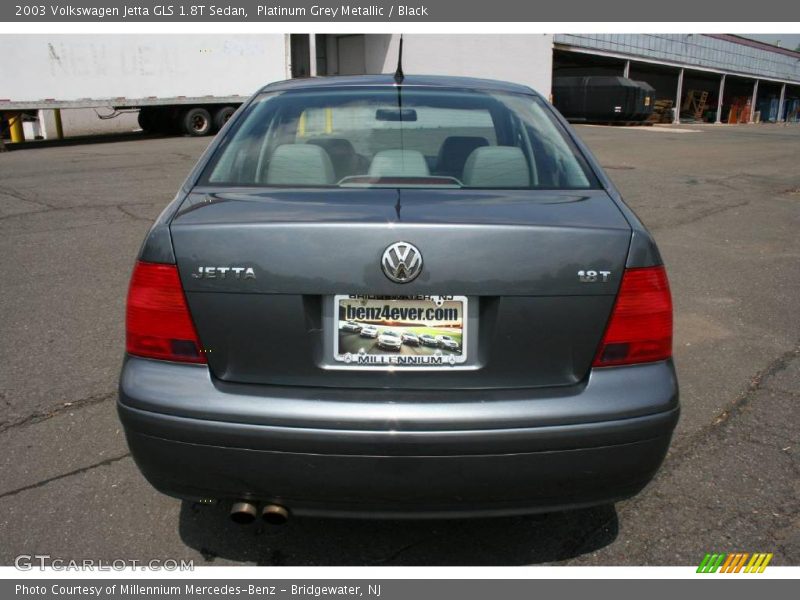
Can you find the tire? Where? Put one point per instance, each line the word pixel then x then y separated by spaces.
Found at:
pixel 221 116
pixel 148 120
pixel 196 122
pixel 158 120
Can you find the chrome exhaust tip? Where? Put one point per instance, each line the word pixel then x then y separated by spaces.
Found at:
pixel 243 512
pixel 275 514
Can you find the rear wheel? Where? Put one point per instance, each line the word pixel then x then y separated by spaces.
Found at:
pixel 158 119
pixel 222 115
pixel 196 122
pixel 148 120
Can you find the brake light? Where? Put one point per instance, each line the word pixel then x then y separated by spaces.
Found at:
pixel 157 320
pixel 640 327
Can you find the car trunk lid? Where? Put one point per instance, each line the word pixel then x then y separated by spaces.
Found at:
pixel 516 255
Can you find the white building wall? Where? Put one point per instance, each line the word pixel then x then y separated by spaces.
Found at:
pixel 526 59
pixel 377 49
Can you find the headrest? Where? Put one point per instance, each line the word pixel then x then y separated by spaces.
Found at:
pixel 338 146
pixel 399 163
pixel 300 164
pixel 455 150
pixel 497 166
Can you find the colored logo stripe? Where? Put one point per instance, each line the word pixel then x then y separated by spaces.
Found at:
pixel 710 563
pixel 758 563
pixel 734 562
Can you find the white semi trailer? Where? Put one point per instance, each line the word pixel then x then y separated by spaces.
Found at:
pixel 193 83
pixel 180 83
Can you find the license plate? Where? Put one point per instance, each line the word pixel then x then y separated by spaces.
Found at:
pixel 391 331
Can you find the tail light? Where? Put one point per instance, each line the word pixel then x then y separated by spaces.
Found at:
pixel 640 327
pixel 157 320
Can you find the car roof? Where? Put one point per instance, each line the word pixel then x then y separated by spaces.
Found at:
pixel 438 81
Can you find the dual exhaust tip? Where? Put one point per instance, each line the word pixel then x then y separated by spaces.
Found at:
pixel 244 513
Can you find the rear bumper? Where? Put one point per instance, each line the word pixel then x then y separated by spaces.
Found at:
pixel 387 453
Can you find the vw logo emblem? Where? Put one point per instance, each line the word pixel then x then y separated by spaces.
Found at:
pixel 401 262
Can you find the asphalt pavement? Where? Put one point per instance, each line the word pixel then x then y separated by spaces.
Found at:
pixel 724 205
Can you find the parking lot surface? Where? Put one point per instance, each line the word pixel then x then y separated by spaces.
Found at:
pixel 724 205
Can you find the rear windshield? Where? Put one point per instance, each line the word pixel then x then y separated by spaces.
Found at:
pixel 398 137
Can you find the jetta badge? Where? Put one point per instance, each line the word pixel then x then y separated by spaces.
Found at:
pixel 401 262
pixel 224 273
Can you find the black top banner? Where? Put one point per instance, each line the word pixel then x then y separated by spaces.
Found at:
pixel 784 11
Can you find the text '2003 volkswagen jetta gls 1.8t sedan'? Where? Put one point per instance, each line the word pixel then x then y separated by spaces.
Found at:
pixel 455 210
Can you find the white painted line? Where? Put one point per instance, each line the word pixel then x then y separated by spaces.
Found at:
pixel 653 128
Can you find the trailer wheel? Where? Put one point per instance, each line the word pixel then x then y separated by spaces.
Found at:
pixel 221 116
pixel 158 119
pixel 196 122
pixel 148 120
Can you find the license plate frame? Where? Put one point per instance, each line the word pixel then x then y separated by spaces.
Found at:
pixel 412 315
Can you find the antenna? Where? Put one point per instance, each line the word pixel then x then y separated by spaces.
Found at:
pixel 398 79
pixel 398 74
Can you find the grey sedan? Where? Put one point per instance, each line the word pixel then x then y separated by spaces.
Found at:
pixel 434 203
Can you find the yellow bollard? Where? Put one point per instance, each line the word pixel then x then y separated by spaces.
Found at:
pixel 329 120
pixel 15 125
pixel 59 126
pixel 301 126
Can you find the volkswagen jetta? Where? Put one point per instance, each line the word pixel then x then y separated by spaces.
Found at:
pixel 461 207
